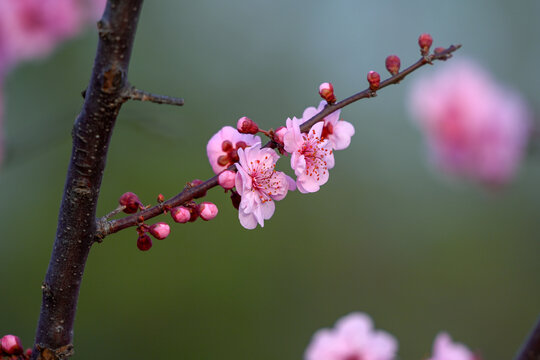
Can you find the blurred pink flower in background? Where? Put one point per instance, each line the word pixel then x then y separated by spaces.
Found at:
pixel 474 127
pixel 33 28
pixel 445 349
pixel 353 338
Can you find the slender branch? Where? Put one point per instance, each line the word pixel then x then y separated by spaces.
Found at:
pixel 133 93
pixel 106 227
pixel 76 220
pixel 530 350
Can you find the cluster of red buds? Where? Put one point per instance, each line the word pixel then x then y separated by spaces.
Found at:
pixel 188 212
pixel 11 348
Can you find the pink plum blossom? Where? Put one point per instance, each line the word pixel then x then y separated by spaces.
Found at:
pixel 311 156
pixel 474 127
pixel 32 28
pixel 353 338
pixel 337 131
pixel 445 349
pixel 259 185
pixel 222 149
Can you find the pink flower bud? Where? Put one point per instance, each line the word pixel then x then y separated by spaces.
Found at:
pixel 425 41
pixel 279 133
pixel 131 202
pixel 326 90
pixel 374 80
pixel 160 198
pixel 227 179
pixel 247 126
pixel 180 214
pixel 11 345
pixel 208 210
pixel 144 242
pixel 160 230
pixel 28 352
pixel 392 64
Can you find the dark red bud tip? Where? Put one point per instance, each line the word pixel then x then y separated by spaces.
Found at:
pixel 194 211
pixel 439 50
pixel 247 126
pixel 131 202
pixel 226 145
pixel 144 242
pixel 160 230
pixel 374 80
pixel 160 198
pixel 326 90
pixel 392 64
pixel 235 198
pixel 425 40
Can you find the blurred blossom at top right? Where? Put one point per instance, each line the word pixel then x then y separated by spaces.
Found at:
pixel 474 127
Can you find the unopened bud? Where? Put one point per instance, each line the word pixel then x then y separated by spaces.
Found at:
pixel 180 214
pixel 425 40
pixel 392 64
pixel 208 210
pixel 144 242
pixel 131 202
pixel 438 50
pixel 279 134
pixel 326 90
pixel 227 179
pixel 160 230
pixel 194 211
pixel 28 352
pixel 374 80
pixel 247 126
pixel 11 345
pixel 160 198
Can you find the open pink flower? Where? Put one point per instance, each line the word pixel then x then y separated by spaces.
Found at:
pixel 222 148
pixel 338 132
pixel 259 185
pixel 353 338
pixel 32 28
pixel 474 127
pixel 445 349
pixel 311 156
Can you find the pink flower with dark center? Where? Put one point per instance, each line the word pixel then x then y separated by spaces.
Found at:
pixel 311 155
pixel 222 149
pixel 353 338
pixel 32 28
pixel 445 349
pixel 474 127
pixel 338 132
pixel 259 185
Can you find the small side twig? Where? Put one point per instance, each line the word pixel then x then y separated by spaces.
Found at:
pixel 133 93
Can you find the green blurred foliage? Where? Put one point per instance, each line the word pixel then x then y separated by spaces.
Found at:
pixel 385 236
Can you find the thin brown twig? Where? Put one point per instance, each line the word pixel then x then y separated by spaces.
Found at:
pixel 106 227
pixel 133 93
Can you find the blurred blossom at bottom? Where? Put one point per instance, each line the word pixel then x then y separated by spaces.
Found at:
pixel 474 127
pixel 445 349
pixel 353 338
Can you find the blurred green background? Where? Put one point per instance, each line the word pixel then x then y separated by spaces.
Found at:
pixel 386 235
